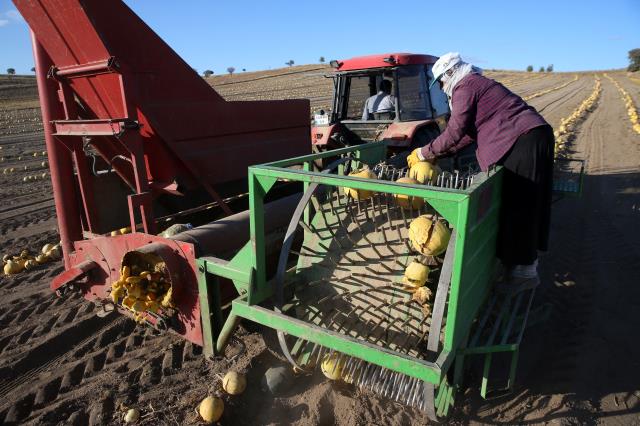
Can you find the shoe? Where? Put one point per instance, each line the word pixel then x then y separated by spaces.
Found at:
pixel 515 285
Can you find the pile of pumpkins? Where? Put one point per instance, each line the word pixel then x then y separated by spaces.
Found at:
pixel 553 89
pixel 628 103
pixel 25 260
pixel 566 130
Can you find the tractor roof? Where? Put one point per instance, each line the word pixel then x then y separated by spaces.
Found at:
pixel 382 60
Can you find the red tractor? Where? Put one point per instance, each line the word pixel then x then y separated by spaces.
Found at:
pixel 417 117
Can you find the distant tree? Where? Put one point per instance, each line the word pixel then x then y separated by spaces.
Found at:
pixel 634 60
pixel 530 68
pixel 322 59
pixel 231 70
pixel 244 69
pixel 289 62
pixel 550 68
pixel 11 71
pixel 207 73
pixel 541 69
pixel 33 69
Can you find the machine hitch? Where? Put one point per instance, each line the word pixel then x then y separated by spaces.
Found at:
pixel 66 281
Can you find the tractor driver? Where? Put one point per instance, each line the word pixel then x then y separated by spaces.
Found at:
pixel 383 101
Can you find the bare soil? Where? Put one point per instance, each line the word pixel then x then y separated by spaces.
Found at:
pixel 62 364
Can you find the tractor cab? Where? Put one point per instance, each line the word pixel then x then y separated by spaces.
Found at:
pixel 411 115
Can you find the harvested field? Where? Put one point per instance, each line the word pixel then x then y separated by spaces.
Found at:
pixel 62 364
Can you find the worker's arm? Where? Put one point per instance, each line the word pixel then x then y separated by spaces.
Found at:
pixel 466 141
pixel 455 135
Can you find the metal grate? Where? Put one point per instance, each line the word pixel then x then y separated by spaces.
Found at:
pixel 349 271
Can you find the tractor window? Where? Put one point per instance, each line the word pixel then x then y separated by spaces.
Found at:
pixel 438 97
pixel 412 93
pixel 360 88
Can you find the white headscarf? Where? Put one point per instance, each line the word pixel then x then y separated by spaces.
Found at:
pixel 460 71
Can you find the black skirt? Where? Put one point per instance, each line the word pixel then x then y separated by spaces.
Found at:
pixel 525 214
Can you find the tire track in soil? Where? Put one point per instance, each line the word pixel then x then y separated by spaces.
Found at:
pixel 95 367
pixel 543 83
pixel 36 385
pixel 555 105
pixel 29 207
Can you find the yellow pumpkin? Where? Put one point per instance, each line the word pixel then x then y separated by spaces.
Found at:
pixel 234 383
pixel 405 201
pixel 360 194
pixel 415 275
pixel 424 172
pixel 428 236
pixel 332 366
pixel 211 409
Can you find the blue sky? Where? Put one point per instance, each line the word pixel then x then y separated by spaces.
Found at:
pixel 572 35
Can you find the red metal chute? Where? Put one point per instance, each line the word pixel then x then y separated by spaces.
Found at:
pixel 117 98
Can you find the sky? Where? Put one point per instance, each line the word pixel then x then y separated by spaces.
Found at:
pixel 256 35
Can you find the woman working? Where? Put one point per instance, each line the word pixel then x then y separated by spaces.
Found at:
pixel 508 133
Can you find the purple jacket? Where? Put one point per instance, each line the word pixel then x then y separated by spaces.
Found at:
pixel 486 111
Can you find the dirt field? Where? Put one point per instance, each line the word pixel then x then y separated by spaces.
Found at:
pixel 62 364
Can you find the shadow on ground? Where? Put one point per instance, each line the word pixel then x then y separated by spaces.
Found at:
pixel 582 364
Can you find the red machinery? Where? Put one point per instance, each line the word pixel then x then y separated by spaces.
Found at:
pixel 419 110
pixel 137 139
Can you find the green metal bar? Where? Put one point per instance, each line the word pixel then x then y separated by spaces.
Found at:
pixel 512 369
pixel 410 366
pixel 458 369
pixel 446 402
pixel 422 191
pixel 257 193
pixel 227 330
pixel 210 307
pixel 332 153
pixel 441 401
pixel 226 269
pixel 307 167
pixel 488 349
pixel 485 375
pixel 451 328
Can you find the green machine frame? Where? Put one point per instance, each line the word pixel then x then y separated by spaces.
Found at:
pixel 472 213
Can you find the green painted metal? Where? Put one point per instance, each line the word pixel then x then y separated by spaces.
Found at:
pixel 227 330
pixel 485 375
pixel 489 349
pixel 423 370
pixel 243 259
pixel 227 269
pixel 473 212
pixel 257 192
pixel 210 307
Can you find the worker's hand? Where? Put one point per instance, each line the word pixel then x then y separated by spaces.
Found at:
pixel 414 157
